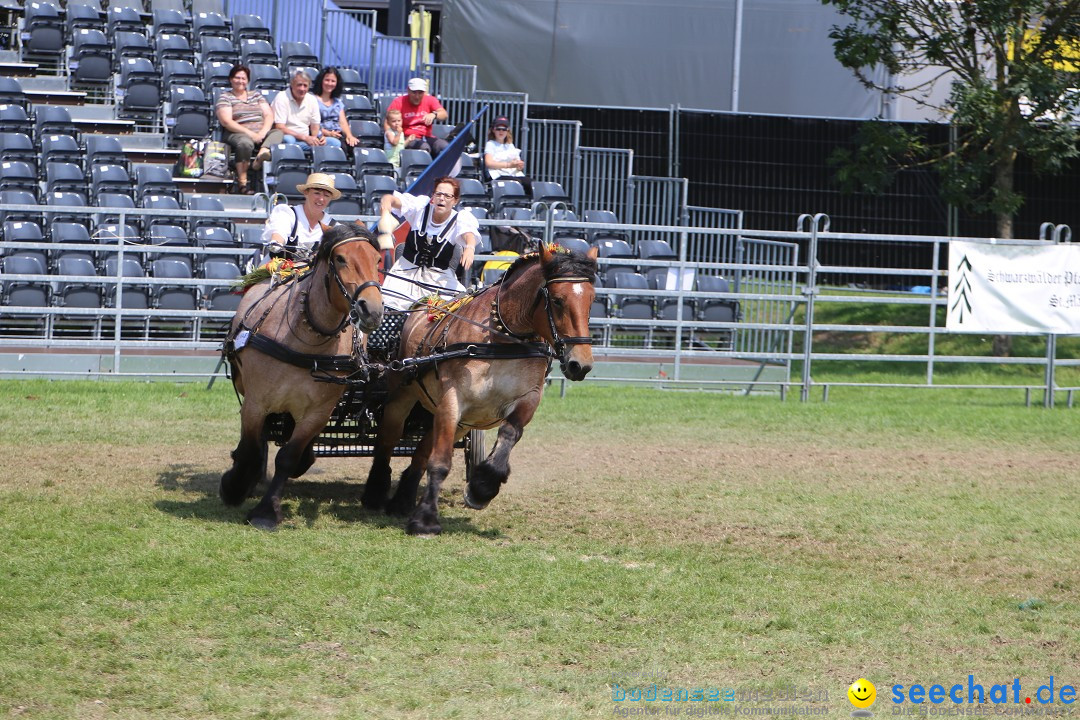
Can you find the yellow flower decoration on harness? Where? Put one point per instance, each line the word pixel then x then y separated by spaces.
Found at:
pixel 439 308
pixel 278 268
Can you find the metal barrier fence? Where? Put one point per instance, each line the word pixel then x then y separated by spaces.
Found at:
pixel 555 154
pixel 455 86
pixel 514 106
pixel 608 172
pixel 387 80
pixel 773 294
pixel 660 200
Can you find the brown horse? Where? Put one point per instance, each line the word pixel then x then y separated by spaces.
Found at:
pixel 482 365
pixel 286 334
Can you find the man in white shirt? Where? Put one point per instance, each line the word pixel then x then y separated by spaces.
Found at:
pixel 296 113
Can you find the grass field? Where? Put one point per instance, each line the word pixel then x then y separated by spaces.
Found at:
pixel 685 539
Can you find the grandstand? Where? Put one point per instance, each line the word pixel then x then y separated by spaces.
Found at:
pixel 103 242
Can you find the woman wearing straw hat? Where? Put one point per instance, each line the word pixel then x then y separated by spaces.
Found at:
pixel 295 230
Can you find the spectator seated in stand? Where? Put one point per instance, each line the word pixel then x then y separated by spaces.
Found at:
pixel 247 121
pixel 501 158
pixel 419 111
pixel 335 126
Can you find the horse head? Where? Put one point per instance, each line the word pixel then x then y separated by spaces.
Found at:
pixel 568 291
pixel 351 255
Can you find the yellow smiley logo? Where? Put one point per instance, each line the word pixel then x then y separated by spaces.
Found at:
pixel 862 693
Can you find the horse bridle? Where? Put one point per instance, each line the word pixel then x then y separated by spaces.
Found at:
pixel 353 316
pixel 559 344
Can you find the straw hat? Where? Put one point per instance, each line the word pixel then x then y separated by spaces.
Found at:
pixel 320 181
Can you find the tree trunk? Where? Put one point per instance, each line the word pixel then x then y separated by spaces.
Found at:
pixel 1003 182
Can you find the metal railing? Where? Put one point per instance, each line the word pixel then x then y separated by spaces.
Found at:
pixel 772 330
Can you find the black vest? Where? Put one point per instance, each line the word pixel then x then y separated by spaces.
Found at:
pixel 426 250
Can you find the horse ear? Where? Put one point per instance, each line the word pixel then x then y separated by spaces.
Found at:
pixel 545 253
pixel 593 253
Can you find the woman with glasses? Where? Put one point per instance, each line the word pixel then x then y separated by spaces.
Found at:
pixel 501 157
pixel 440 240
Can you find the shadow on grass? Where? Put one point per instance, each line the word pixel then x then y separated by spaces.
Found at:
pixel 305 502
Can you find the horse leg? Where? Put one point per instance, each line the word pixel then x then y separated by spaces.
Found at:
pixel 249 458
pixel 391 428
pixel 404 499
pixel 487 478
pixel 267 514
pixel 425 518
pixel 307 459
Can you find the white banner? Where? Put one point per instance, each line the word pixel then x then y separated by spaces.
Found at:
pixel 1010 288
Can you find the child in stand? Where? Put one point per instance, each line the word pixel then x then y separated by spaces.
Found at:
pixel 395 137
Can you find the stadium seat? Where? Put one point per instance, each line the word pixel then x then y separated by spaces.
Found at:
pixel 121 18
pixel 550 193
pixel 375 186
pixel 84 14
pixel 369 133
pixel 474 194
pixel 216 74
pixel 43 31
pixel 209 24
pixel 104 150
pixel 17 146
pixel 254 51
pixel 250 26
pixel 12 93
pixel 173 47
pixel 266 77
pixel 330 159
pixel 53 120
pixel 65 198
pixel 179 72
pixel 413 164
pixel 61 148
pixel 155 180
pixel 296 55
pixel 207 203
pixel 351 82
pixel 91 59
pixel 372 161
pixel 19 197
pixel 106 177
pixel 139 88
pixel 218 49
pixel 188 115
pixel 507 193
pixel 359 107
pixel 170 21
pixel 65 176
pixel 13 119
pixel 351 201
pixel 18 175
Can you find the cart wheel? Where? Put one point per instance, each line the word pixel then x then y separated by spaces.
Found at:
pixel 475 451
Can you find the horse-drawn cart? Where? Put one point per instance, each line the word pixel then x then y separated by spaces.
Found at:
pixel 354 425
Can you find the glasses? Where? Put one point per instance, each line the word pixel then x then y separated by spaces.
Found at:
pixel 448 196
pixel 501 129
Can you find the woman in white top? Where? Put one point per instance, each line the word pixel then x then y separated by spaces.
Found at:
pixel 295 230
pixel 501 157
pixel 440 239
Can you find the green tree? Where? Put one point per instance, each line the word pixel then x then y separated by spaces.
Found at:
pixel 1013 67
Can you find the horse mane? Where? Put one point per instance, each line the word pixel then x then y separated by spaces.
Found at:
pixel 564 263
pixel 339 233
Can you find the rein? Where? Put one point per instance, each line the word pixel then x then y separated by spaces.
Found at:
pixel 524 346
pixel 353 315
pixel 320 365
pixel 558 343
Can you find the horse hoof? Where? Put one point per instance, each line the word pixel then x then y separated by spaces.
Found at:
pixel 473 504
pixel 371 503
pixel 262 523
pixel 416 528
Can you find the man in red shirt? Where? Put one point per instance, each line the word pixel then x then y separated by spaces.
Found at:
pixel 418 112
